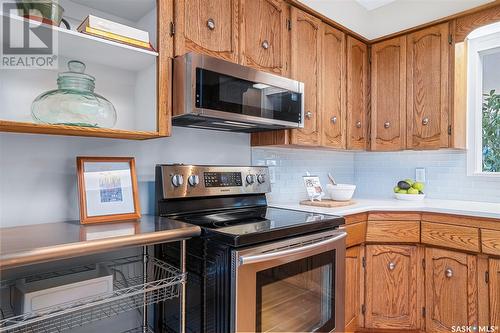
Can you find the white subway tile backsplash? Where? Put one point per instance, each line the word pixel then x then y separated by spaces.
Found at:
pixel 376 173
pixel 446 174
pixel 292 164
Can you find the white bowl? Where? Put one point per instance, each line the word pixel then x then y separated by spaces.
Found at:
pixel 409 197
pixel 340 192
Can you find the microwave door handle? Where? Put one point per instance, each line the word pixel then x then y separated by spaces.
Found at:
pixel 251 259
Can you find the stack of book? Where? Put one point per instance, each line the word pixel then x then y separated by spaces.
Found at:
pixel 99 27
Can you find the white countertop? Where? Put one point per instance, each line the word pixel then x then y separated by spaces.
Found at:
pixel 468 208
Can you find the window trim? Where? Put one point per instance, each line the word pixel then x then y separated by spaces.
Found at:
pixel 478 46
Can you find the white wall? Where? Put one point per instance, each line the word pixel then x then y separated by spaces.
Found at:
pixel 38 172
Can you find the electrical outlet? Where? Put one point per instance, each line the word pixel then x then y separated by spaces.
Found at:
pixel 420 175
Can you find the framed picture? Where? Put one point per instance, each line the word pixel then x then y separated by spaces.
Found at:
pixel 313 187
pixel 108 189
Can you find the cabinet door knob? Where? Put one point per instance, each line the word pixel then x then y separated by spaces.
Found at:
pixel 387 124
pixel 333 119
pixel 309 114
pixel 358 124
pixel 211 24
pixel 265 44
pixel 448 272
pixel 391 266
pixel 425 121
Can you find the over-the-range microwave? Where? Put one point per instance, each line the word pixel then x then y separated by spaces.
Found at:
pixel 211 93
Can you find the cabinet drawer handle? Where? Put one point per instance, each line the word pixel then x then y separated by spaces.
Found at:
pixel 358 124
pixel 333 119
pixel 387 124
pixel 265 44
pixel 391 266
pixel 425 121
pixel 448 273
pixel 309 114
pixel 211 24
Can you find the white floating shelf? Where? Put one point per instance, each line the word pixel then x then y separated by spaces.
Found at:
pixel 75 45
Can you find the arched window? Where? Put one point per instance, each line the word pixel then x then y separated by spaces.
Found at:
pixel 483 101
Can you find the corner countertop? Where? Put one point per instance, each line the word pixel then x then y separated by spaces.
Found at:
pixel 39 243
pixel 362 205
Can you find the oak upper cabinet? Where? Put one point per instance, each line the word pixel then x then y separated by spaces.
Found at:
pixel 353 288
pixel 388 95
pixel 357 94
pixel 305 67
pixel 392 277
pixel 264 35
pixel 333 88
pixel 494 291
pixel 206 26
pixel 451 289
pixel 428 90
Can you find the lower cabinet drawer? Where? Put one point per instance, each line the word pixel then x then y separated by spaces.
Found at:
pixel 490 241
pixel 356 233
pixel 393 231
pixel 451 236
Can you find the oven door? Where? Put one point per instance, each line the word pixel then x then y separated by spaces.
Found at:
pixel 296 285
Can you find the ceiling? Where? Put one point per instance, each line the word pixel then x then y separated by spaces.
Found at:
pixel 373 4
pixel 376 18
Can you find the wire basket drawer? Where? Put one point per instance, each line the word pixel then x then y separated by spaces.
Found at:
pixel 137 281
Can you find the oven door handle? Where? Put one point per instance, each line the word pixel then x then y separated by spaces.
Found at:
pixel 250 259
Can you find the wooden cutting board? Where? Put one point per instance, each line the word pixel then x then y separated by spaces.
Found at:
pixel 327 203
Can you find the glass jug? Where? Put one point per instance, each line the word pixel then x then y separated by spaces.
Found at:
pixel 75 102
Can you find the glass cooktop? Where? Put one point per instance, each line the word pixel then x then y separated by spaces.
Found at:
pixel 244 226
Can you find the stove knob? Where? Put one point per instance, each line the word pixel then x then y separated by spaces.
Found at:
pixel 177 180
pixel 261 179
pixel 250 179
pixel 193 180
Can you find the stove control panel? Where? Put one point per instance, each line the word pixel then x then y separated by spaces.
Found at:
pixel 211 180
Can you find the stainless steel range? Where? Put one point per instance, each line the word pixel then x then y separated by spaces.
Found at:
pixel 255 268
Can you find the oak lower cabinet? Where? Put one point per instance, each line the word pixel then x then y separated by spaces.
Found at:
pixel 428 87
pixel 451 290
pixel 353 287
pixel 392 287
pixel 494 292
pixel 206 26
pixel 357 94
pixel 388 95
pixel 264 35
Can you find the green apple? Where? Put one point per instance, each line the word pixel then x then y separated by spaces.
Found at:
pixel 396 189
pixel 412 191
pixel 403 191
pixel 409 181
pixel 419 186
